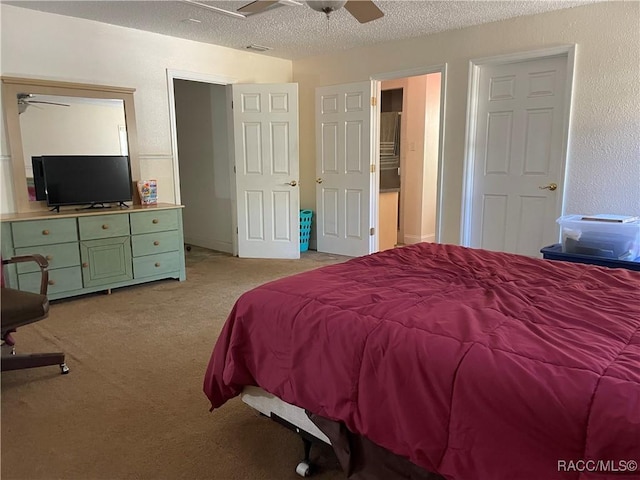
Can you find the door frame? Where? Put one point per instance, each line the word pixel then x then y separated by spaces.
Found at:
pixel 378 78
pixel 194 77
pixel 214 80
pixel 475 66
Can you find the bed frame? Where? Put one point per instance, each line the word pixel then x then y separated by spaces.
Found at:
pixel 290 416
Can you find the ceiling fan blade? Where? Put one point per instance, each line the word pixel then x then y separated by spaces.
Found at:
pixel 30 102
pixel 22 107
pixel 256 6
pixel 364 10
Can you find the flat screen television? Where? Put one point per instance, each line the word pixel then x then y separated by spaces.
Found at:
pixel 94 180
pixel 39 192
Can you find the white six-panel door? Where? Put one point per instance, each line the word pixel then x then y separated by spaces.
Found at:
pixel 343 169
pixel 519 156
pixel 265 124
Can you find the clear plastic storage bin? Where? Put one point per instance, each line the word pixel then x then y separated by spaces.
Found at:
pixel 601 238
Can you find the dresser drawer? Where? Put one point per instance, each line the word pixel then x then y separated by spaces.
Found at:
pixel 59 256
pixel 152 243
pixel 103 226
pixel 155 221
pixel 159 264
pixel 60 280
pixel 44 232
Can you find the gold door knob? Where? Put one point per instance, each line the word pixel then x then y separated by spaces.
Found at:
pixel 551 187
pixel 52 282
pixel 318 180
pixel 49 258
pixel 293 183
pixel 45 232
pixel 105 227
pixel 156 243
pixel 155 220
pixel 85 264
pixel 157 264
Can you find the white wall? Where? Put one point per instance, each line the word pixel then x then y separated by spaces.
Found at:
pixel 604 157
pixel 43 45
pixel 413 158
pixel 431 150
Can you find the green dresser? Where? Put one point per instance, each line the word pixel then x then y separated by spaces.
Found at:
pixel 90 251
pixel 156 248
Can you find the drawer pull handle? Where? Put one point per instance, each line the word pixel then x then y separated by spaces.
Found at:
pixel 51 282
pixel 155 220
pixel 157 264
pixel 105 227
pixel 85 264
pixel 156 243
pixel 49 258
pixel 45 232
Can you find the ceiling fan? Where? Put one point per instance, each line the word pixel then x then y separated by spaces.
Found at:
pixel 25 100
pixel 363 10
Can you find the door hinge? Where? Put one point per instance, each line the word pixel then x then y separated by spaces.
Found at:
pixel 372 168
pixel 236 230
pixel 372 231
pixel 231 104
pixel 373 101
pixel 234 169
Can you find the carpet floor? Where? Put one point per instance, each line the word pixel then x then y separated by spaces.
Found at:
pixel 132 406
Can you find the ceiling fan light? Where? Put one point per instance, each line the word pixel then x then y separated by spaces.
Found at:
pixel 326 6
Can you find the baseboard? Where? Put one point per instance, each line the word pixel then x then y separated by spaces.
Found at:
pixel 209 243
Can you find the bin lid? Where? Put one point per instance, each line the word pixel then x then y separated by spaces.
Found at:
pixel 600 217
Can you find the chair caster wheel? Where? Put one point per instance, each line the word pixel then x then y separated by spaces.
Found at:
pixel 303 469
pixel 64 369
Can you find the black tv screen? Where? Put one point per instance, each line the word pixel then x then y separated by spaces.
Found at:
pixel 86 179
pixel 38 178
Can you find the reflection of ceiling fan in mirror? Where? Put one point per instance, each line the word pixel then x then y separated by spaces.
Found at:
pixel 363 10
pixel 27 99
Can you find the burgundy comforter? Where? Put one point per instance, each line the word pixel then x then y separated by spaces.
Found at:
pixel 473 364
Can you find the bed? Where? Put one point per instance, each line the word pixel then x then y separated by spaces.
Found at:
pixel 465 363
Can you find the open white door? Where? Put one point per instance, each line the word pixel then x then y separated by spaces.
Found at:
pixel 344 156
pixel 265 125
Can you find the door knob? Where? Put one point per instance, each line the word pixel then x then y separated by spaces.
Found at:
pixel 293 183
pixel 551 187
pixel 318 180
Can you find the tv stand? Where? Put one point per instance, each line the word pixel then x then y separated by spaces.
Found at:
pixel 99 205
pixel 93 206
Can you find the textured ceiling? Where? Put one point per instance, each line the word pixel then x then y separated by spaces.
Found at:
pixel 296 31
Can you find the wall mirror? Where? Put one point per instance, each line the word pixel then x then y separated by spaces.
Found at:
pixel 56 118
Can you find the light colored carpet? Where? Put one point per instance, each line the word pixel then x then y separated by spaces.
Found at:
pixel 133 406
